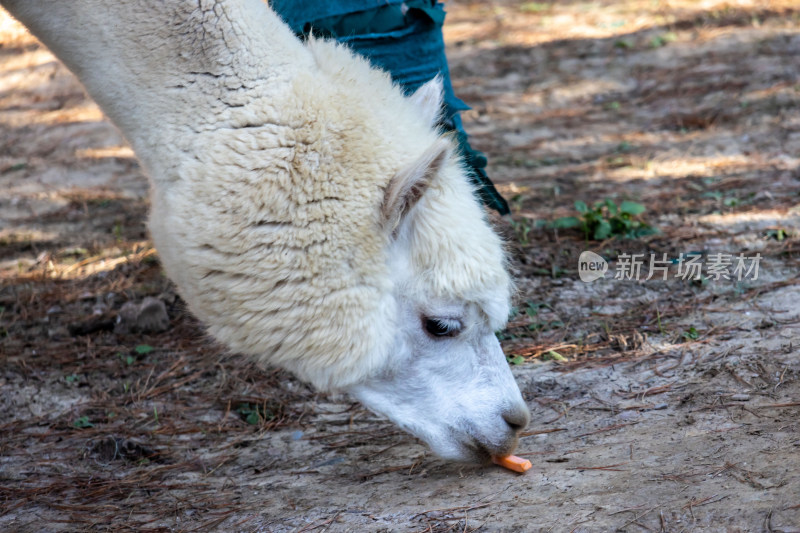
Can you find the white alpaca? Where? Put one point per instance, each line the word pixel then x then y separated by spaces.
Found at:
pixel 308 213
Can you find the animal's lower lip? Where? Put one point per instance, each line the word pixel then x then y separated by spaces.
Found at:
pixel 479 452
pixel 482 452
pixel 476 448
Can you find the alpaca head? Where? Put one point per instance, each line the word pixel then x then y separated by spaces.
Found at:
pixel 448 381
pixel 333 232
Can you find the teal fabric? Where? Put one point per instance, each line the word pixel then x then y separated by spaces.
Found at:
pixel 404 39
pixel 298 13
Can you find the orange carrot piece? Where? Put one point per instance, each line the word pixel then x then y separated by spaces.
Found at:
pixel 512 462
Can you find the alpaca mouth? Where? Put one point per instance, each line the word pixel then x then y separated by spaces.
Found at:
pixel 479 453
pixel 476 449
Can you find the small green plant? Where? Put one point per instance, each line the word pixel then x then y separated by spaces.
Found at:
pixel 515 359
pixel 72 378
pixel 82 422
pixel 545 325
pixel 730 201
pixel 143 349
pixel 504 335
pixel 606 219
pixel 516 202
pixel 778 234
pixel 532 308
pixel 660 327
pixel 14 167
pixel 661 40
pixel 522 228
pixel 553 355
pixel 691 334
pixel 127 359
pixel 254 413
pixel 624 147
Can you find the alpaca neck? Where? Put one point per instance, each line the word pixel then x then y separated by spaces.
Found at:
pixel 164 70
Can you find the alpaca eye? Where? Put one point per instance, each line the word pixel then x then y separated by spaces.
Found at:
pixel 442 327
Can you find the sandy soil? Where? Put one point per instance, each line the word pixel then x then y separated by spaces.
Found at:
pixel 658 405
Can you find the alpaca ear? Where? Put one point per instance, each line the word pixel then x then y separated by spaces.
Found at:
pixel 428 99
pixel 410 183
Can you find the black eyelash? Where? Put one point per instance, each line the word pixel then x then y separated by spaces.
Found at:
pixel 442 327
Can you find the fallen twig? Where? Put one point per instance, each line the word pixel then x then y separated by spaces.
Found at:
pixel 608 467
pixel 540 432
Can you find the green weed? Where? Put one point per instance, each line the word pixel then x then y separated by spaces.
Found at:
pixel 522 228
pixel 691 334
pixel 82 422
pixel 553 355
pixel 661 40
pixel 253 414
pixel 606 219
pixel 778 234
pixel 515 359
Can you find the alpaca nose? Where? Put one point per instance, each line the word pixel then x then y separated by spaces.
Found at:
pixel 517 417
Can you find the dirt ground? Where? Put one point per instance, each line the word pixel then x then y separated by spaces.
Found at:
pixel 658 405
